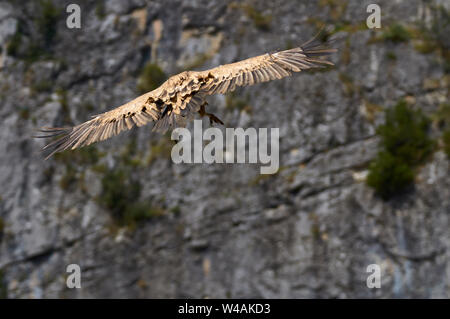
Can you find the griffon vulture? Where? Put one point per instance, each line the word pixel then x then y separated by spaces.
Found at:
pixel 183 95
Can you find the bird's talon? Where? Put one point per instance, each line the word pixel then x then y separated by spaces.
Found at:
pixel 213 118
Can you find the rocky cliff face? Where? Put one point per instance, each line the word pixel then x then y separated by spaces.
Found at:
pixel 141 226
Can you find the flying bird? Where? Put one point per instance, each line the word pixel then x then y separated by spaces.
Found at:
pixel 183 95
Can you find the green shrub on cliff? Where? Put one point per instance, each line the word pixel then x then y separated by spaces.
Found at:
pixel 405 144
pixel 120 195
pixel 389 175
pixel 396 33
pixel 151 77
pixel 446 139
pixel 405 134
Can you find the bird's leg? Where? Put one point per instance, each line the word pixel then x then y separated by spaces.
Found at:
pixel 212 117
pixel 202 111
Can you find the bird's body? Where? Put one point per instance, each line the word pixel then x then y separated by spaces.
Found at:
pixel 183 95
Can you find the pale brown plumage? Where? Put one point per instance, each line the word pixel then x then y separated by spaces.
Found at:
pixel 182 95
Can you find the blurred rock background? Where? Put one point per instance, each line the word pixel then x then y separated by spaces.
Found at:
pixel 140 226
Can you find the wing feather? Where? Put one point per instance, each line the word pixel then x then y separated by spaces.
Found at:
pixel 138 112
pixel 267 67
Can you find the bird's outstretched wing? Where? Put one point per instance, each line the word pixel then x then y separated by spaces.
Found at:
pixel 269 66
pixel 138 112
pixel 185 91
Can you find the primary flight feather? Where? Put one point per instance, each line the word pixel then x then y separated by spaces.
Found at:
pixel 183 95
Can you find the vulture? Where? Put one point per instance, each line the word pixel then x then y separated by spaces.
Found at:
pixel 182 96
